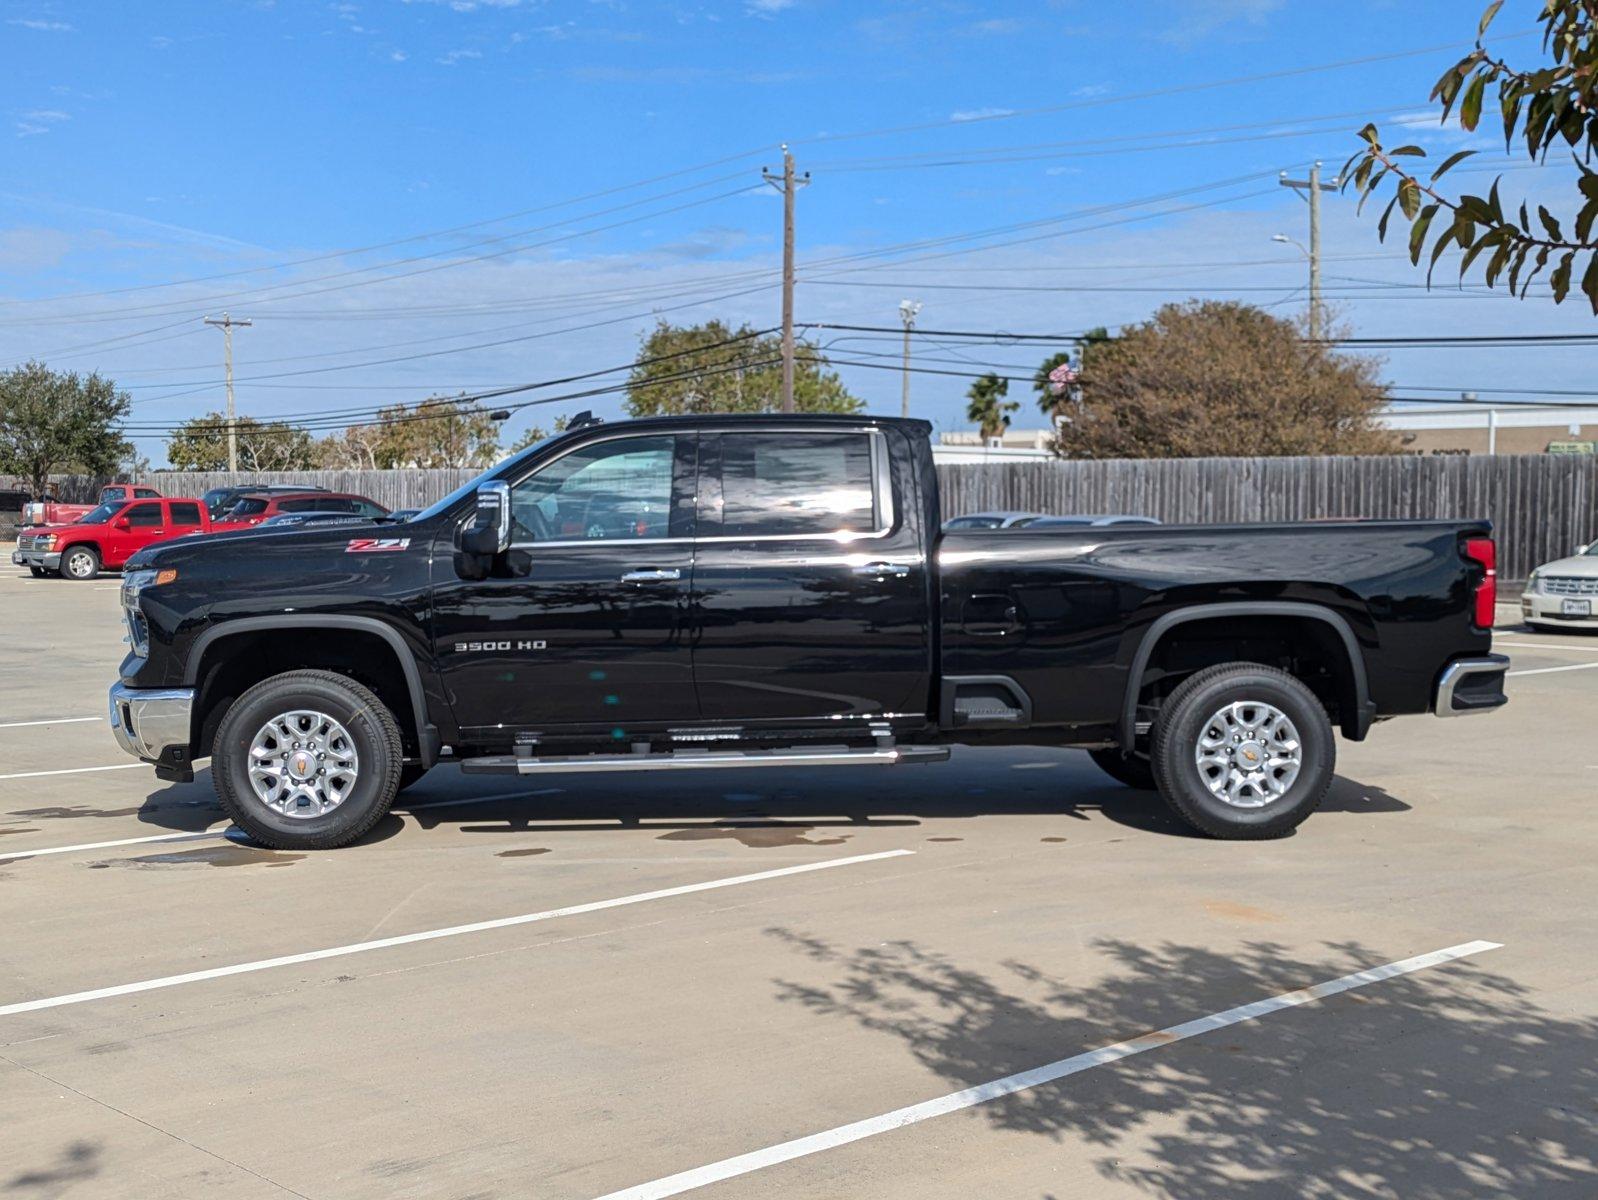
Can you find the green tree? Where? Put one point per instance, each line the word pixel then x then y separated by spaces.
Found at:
pixel 53 419
pixel 1553 101
pixel 200 444
pixel 435 433
pixel 1050 399
pixel 988 407
pixel 536 433
pixel 712 368
pixel 1219 377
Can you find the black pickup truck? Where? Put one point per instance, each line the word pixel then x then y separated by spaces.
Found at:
pixel 774 591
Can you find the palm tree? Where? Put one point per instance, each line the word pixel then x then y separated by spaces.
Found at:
pixel 988 406
pixel 1048 399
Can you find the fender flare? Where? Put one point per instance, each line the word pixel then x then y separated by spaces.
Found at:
pixel 426 736
pixel 1354 724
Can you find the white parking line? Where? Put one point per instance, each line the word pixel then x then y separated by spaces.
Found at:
pixel 1547 646
pixel 842 1135
pixel 57 721
pixel 84 770
pixel 135 841
pixel 288 960
pixel 1540 670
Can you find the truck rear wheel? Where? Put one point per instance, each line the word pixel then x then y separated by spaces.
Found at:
pixel 80 562
pixel 307 760
pixel 1243 751
pixel 38 572
pixel 1134 770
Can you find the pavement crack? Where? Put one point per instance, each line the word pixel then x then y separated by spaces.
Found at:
pixel 150 1125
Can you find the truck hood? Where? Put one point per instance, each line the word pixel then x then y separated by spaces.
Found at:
pixel 244 543
pixel 1583 566
pixel 59 528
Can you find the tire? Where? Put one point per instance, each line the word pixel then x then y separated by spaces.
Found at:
pixel 367 737
pixel 38 572
pixel 1267 804
pixel 80 563
pixel 1134 770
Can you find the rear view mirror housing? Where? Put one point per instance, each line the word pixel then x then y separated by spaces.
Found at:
pixel 487 534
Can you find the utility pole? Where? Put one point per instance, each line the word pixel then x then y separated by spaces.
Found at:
pixel 907 313
pixel 227 324
pixel 1313 187
pixel 788 185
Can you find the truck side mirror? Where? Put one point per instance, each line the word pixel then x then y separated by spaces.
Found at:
pixel 487 534
pixel 123 523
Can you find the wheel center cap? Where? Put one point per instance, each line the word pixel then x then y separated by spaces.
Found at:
pixel 302 765
pixel 1250 756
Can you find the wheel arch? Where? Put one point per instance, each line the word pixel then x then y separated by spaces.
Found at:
pixel 414 721
pixel 1356 716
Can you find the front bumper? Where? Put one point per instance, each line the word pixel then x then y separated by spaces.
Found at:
pixel 149 722
pixel 1536 608
pixel 1471 685
pixel 49 560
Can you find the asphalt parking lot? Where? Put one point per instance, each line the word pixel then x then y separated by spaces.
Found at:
pixel 878 982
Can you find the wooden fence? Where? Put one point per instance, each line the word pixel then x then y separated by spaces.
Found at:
pixel 1543 505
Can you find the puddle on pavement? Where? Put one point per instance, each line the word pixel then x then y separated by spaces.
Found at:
pixel 1239 912
pixel 525 852
pixel 59 812
pixel 3 832
pixel 947 839
pixel 1051 839
pixel 756 837
pixel 211 856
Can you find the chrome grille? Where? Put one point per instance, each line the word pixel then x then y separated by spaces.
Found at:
pixel 1569 585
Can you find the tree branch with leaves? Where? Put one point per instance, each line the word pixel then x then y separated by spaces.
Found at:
pixel 1543 106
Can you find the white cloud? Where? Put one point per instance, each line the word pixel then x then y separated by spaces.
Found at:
pixel 996 25
pixel 767 8
pixel 397 56
pixel 1195 22
pixel 38 121
pixel 457 56
pixel 465 6
pixel 981 114
pixel 42 26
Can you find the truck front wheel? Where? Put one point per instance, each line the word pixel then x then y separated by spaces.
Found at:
pixel 307 760
pixel 80 562
pixel 1243 751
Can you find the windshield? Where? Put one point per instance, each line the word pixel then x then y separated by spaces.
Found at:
pixel 248 507
pixel 110 494
pixel 471 485
pixel 214 498
pixel 102 514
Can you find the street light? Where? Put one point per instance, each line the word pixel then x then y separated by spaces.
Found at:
pixel 907 313
pixel 1314 282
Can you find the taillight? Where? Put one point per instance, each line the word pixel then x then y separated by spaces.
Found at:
pixel 1482 550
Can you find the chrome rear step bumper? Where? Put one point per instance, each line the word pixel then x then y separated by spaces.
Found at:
pixel 1471 685
pixel 700 760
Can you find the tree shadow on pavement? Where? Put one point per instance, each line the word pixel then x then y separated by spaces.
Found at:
pixel 1446 1083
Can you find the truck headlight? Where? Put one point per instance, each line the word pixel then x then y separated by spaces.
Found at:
pixel 134 584
pixel 47 542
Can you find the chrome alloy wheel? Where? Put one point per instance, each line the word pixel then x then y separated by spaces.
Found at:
pixel 303 764
pixel 1249 754
pixel 80 564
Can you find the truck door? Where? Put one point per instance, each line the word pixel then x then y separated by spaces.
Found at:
pixel 810 579
pixel 135 527
pixel 587 632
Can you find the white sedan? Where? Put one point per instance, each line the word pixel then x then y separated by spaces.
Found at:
pixel 1563 594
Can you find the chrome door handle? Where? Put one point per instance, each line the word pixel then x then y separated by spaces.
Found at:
pixel 652 575
pixel 883 570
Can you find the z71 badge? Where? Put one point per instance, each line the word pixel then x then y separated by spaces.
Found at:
pixel 375 545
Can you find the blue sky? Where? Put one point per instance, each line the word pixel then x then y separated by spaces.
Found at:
pixel 204 146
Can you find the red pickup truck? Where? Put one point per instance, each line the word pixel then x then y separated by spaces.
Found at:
pixel 108 536
pixel 256 508
pixel 50 511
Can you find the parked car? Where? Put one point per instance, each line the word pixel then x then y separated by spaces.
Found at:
pixel 1090 520
pixel 53 512
pixel 991 520
pixel 253 508
pixel 1563 594
pixel 796 605
pixel 107 537
pixel 293 520
pixel 403 514
pixel 219 499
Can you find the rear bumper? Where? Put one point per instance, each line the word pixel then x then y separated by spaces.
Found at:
pixel 1471 685
pixel 148 722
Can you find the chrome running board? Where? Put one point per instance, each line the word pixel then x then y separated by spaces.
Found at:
pixel 699 760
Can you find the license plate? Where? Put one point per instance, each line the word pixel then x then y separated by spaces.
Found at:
pixel 1576 608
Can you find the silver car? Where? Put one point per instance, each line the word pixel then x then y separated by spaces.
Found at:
pixel 991 520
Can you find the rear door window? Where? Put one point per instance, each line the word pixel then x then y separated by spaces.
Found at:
pixel 797 484
pixel 185 512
